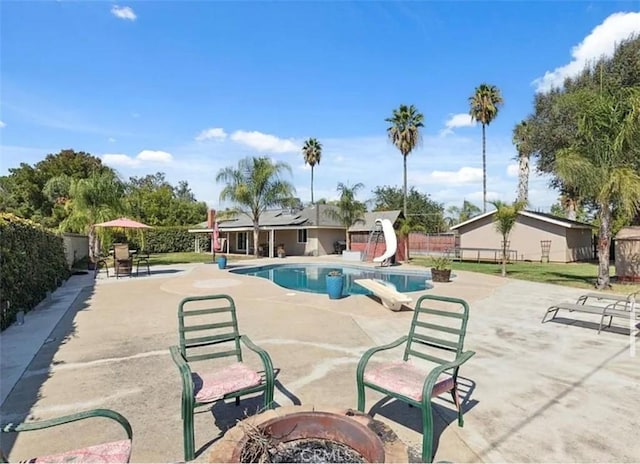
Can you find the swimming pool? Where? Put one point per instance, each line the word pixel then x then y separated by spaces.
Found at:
pixel 311 277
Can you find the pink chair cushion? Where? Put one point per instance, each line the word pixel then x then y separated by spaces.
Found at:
pixel 405 378
pixel 213 386
pixel 113 452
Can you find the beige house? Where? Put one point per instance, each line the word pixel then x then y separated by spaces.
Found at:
pixel 306 232
pixel 535 237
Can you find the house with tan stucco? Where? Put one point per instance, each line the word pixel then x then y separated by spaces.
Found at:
pixel 535 237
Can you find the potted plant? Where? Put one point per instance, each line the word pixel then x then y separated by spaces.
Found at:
pixel 222 261
pixel 440 268
pixel 335 283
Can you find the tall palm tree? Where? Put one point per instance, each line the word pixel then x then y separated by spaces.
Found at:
pixel 350 211
pixel 504 219
pixel 404 132
pixel 95 199
pixel 484 106
pixel 522 141
pixel 254 186
pixel 600 164
pixel 312 152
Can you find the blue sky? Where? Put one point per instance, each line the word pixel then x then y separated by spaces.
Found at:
pixel 188 88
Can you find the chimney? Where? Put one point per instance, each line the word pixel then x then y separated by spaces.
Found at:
pixel 211 218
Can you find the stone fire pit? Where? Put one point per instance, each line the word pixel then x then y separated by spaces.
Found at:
pixel 307 434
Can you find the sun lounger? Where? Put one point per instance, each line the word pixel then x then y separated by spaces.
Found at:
pixel 601 297
pixel 621 307
pixel 389 297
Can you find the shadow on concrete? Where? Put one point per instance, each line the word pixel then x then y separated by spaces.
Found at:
pixel 227 414
pixel 618 328
pixel 443 415
pixel 25 394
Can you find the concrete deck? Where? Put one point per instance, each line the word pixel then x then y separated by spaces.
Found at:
pixel 553 392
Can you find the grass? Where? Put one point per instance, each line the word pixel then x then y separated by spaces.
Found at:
pixel 188 257
pixel 580 275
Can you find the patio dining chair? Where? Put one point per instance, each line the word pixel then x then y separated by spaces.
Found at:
pixel 111 452
pixel 122 261
pixel 142 258
pixel 433 354
pixel 208 331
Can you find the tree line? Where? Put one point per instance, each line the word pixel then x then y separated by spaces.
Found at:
pixel 72 190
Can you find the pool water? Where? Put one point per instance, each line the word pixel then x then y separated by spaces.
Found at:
pixel 311 277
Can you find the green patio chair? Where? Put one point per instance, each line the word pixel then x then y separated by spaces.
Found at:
pixel 435 342
pixel 206 334
pixel 116 451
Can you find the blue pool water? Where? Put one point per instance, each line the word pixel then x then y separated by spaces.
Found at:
pixel 311 277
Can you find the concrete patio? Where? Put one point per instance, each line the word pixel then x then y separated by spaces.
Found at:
pixel 553 392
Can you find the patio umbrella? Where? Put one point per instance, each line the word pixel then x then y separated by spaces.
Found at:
pixel 125 223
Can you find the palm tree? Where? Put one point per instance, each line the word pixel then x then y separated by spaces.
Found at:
pixel 459 215
pixel 312 151
pixel 504 219
pixel 600 163
pixel 350 211
pixel 95 199
pixel 484 106
pixel 404 132
pixel 522 141
pixel 406 226
pixel 254 186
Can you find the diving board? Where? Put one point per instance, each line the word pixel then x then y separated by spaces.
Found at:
pixel 389 297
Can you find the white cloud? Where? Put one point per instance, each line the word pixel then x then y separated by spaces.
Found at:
pixel 123 12
pixel 600 42
pixel 2 124
pixel 265 142
pixel 111 139
pixel 464 175
pixel 457 120
pixel 155 156
pixel 148 156
pixel 212 134
pixel 512 170
pixel 119 159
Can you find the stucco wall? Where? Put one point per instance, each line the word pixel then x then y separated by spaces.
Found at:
pixel 525 238
pixel 76 247
pixel 323 239
pixel 579 245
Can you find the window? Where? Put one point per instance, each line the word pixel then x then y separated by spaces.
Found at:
pixel 241 241
pixel 302 235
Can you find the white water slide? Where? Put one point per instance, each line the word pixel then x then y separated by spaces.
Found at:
pixel 390 240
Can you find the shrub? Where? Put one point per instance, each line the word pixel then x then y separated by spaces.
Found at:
pixel 32 261
pixel 164 240
pixel 440 263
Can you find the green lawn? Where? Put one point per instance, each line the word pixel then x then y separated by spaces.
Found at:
pixel 188 257
pixel 581 275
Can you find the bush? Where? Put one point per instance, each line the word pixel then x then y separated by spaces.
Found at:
pixel 440 263
pixel 32 261
pixel 164 240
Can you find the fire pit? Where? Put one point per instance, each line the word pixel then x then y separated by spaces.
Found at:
pixel 302 434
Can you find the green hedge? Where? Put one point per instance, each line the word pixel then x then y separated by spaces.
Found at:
pixel 164 240
pixel 32 261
